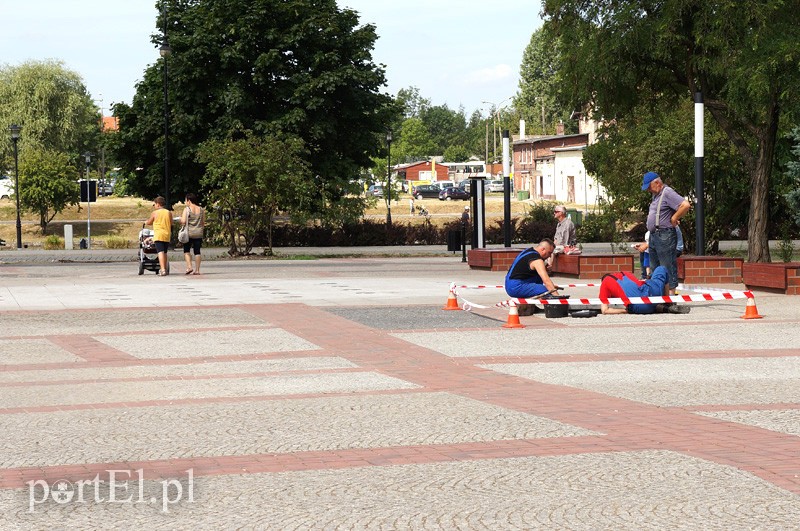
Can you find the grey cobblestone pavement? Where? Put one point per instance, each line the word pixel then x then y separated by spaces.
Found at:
pixel 306 424
pixel 629 490
pixel 337 394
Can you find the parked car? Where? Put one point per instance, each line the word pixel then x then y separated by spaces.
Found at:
pixel 454 192
pixel 375 190
pixel 426 190
pixel 105 189
pixel 494 185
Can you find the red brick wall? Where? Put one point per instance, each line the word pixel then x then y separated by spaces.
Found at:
pixel 492 259
pixel 784 277
pixel 595 266
pixel 710 270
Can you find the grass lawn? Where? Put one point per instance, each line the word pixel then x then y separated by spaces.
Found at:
pixel 123 217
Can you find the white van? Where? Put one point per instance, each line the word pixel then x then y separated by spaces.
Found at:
pixel 6 187
pixel 494 185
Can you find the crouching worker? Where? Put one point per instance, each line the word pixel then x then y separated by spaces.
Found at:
pixel 626 285
pixel 527 277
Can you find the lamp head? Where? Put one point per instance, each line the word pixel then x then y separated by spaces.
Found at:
pixel 388 136
pixel 165 50
pixel 88 157
pixel 15 129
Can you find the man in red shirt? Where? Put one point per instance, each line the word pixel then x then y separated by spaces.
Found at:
pixel 625 285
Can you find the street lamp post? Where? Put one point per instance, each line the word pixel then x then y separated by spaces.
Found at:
pixel 15 129
pixel 165 51
pixel 88 158
pixel 495 115
pixel 389 179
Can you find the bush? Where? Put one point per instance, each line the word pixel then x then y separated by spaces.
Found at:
pixel 116 242
pixel 53 242
pixel 598 228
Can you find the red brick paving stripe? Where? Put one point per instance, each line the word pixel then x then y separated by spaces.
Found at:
pixel 679 355
pixel 740 407
pixel 220 376
pixel 195 401
pixel 14 478
pixel 627 422
pixel 89 349
pixel 133 361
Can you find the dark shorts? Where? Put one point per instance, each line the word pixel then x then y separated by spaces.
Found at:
pixel 193 245
pixel 161 247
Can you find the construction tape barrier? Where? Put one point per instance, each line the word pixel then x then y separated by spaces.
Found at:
pixel 713 295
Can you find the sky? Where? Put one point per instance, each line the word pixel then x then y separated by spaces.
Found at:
pixel 457 52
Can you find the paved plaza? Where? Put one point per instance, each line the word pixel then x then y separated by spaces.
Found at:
pixel 337 394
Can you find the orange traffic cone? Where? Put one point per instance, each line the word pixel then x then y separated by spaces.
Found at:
pixel 750 311
pixel 452 302
pixel 513 319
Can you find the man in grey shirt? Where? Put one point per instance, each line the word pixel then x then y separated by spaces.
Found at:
pixel 565 230
pixel 665 213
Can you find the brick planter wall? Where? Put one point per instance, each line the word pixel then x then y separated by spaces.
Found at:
pixel 492 259
pixel 580 265
pixel 781 277
pixel 595 266
pixel 710 270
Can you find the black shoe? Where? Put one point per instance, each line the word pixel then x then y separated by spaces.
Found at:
pixel 674 308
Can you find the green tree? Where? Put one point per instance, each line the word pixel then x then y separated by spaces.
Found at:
pixel 743 56
pixel 536 99
pixel 47 183
pixel 299 67
pixel 793 173
pixel 51 104
pixel 252 180
pixel 660 139
pixel 415 142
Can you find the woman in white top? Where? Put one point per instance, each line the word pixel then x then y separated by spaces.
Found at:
pixel 195 217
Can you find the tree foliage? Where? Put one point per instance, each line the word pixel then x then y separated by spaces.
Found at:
pixel 252 180
pixel 743 56
pixel 51 104
pixel 793 173
pixel 536 100
pixel 660 139
pixel 47 183
pixel 297 67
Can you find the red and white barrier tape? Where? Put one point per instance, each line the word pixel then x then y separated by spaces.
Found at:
pixel 503 287
pixel 704 297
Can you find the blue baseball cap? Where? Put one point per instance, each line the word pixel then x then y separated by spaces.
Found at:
pixel 648 178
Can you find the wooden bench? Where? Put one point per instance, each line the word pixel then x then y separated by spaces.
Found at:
pixel 781 277
pixel 576 265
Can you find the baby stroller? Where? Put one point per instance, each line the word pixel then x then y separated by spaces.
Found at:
pixel 148 256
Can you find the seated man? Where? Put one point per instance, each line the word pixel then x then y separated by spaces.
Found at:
pixel 626 285
pixel 527 277
pixel 565 230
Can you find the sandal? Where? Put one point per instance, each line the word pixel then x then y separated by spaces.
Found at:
pixel 195 273
pixel 162 273
pixel 188 272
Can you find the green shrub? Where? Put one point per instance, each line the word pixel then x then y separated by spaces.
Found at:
pixel 598 228
pixel 117 242
pixel 542 212
pixel 53 242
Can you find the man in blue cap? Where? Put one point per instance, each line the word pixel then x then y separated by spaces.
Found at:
pixel 665 213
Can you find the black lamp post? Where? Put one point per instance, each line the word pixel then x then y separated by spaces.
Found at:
pixel 88 158
pixel 15 129
pixel 389 179
pixel 165 51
